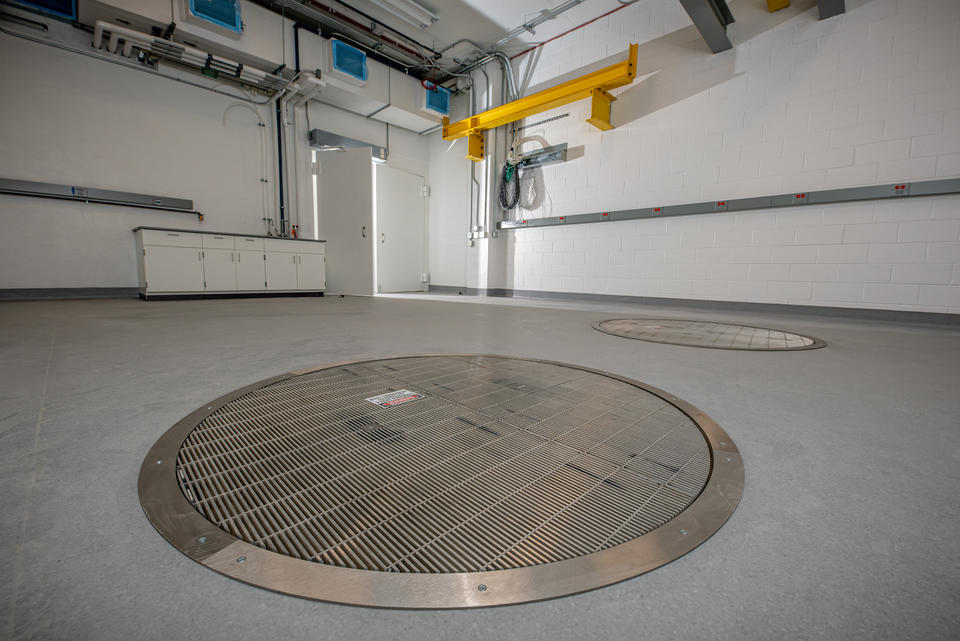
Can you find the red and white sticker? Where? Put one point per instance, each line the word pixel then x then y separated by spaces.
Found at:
pixel 399 397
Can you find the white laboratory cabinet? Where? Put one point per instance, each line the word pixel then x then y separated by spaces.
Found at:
pixel 181 262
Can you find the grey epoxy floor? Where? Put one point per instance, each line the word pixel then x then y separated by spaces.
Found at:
pixel 848 528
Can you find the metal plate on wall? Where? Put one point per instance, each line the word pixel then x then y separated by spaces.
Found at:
pixel 480 480
pixel 707 334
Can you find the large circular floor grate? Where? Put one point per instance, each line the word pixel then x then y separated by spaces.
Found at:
pixel 707 334
pixel 441 481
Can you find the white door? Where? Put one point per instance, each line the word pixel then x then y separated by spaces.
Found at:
pixel 401 218
pixel 281 269
pixel 219 270
pixel 311 271
pixel 251 274
pixel 345 203
pixel 173 269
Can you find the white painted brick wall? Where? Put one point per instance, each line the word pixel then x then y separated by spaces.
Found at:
pixel 880 264
pixel 872 96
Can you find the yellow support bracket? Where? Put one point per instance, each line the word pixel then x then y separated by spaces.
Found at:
pixel 475 146
pixel 600 109
pixel 595 85
pixel 777 5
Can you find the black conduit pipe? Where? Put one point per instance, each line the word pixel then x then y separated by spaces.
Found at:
pixel 280 166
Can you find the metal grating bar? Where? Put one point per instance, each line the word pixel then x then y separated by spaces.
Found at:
pixel 706 334
pixel 503 463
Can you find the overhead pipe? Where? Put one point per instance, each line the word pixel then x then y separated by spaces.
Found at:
pixel 131 65
pixel 180 53
pixel 479 46
pixel 368 30
pixel 623 5
pixel 505 66
pixel 389 28
pixel 545 15
pixel 489 52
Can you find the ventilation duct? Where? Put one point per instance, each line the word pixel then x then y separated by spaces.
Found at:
pixel 328 141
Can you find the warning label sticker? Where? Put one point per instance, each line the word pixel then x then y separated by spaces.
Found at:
pixel 398 397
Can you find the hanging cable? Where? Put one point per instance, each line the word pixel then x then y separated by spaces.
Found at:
pixel 509 196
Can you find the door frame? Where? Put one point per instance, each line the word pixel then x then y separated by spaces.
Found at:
pixel 425 232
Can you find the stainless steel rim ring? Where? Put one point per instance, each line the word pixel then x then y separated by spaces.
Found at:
pixel 179 522
pixel 816 344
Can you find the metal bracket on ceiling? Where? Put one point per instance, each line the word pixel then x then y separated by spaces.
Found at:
pixel 711 18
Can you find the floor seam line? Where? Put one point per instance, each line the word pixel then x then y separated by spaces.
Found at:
pixel 18 572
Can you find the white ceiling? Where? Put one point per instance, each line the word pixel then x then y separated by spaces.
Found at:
pixel 487 20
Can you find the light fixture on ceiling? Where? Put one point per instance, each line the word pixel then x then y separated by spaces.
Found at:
pixel 410 11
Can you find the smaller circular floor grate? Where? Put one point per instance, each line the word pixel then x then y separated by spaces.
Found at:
pixel 441 481
pixel 707 334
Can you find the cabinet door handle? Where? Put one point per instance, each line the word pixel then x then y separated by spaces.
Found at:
pixel 294 259
pixel 383 238
pixel 363 232
pixel 238 257
pixel 199 256
pixel 173 234
pixel 231 257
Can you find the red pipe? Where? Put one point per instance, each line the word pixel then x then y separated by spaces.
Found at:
pixel 602 15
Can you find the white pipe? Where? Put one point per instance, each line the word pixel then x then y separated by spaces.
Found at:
pixel 299 93
pixel 314 87
pixel 98 34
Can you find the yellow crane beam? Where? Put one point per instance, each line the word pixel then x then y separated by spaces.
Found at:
pixel 595 85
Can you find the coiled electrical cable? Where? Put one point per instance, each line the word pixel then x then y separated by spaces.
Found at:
pixel 509 197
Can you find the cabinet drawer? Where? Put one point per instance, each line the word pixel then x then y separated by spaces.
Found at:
pixel 215 241
pixel 293 246
pixel 280 245
pixel 250 244
pixel 170 238
pixel 304 247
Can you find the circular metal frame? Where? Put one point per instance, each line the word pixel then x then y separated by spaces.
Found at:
pixel 817 343
pixel 190 532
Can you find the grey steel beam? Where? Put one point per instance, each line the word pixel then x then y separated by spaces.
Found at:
pixel 711 18
pixel 798 199
pixel 830 8
pixel 94 195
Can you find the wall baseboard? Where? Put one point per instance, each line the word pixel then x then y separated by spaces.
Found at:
pixel 66 293
pixel 225 295
pixel 858 313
